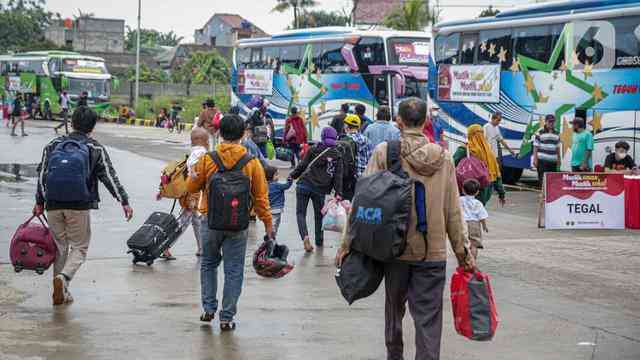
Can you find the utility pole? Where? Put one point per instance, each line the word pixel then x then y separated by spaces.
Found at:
pixel 138 57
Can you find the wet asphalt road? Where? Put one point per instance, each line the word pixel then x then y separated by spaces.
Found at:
pixel 560 295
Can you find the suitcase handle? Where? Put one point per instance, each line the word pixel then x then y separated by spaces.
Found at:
pixel 44 223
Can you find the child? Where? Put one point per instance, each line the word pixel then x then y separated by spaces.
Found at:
pixel 276 195
pixel 474 214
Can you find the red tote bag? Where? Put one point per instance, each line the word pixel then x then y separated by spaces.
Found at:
pixel 474 307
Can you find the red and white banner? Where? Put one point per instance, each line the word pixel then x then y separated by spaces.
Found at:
pixel 584 201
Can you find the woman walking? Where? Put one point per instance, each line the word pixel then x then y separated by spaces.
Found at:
pixel 295 135
pixel 480 149
pixel 318 173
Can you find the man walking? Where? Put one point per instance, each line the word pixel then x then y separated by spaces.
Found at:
pixel 338 121
pixel 418 275
pixel 68 189
pixel 582 147
pixel 352 126
pixel 494 136
pixel 382 130
pixel 546 148
pixel 224 233
pixel 64 105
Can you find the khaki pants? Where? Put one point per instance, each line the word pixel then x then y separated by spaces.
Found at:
pixel 72 232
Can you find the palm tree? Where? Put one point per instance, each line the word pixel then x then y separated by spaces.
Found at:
pixel 84 15
pixel 413 15
pixel 296 6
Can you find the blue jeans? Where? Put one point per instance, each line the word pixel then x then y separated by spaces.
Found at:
pixel 228 247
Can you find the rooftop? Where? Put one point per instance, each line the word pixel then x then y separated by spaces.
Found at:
pixel 373 12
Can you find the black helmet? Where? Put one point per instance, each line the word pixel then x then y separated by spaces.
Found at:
pixel 270 260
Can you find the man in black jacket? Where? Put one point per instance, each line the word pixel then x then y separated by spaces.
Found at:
pixel 319 172
pixel 69 220
pixel 338 121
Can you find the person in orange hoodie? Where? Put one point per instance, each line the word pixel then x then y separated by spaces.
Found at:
pixel 224 245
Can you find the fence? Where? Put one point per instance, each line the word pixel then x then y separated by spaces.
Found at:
pixel 126 91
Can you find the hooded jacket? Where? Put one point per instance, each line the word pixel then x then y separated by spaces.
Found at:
pixel 230 154
pixel 433 166
pixel 325 173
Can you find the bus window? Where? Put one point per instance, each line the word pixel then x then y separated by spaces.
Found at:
pixel 332 59
pixel 556 31
pixel 243 57
pixel 627 42
pixel 533 42
pixel 256 58
pixel 469 46
pixel 271 55
pixel 291 55
pixel 447 49
pixel 491 42
pixel 316 55
pixel 369 51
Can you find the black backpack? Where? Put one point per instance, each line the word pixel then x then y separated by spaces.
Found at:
pixel 381 210
pixel 349 150
pixel 229 196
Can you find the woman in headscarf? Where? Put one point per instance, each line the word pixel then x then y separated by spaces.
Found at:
pixel 318 174
pixel 480 149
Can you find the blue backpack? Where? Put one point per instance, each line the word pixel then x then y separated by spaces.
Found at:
pixel 68 173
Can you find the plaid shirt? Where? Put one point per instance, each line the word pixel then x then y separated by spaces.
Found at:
pixel 364 152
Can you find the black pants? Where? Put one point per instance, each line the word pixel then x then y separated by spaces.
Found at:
pixel 302 202
pixel 545 166
pixel 295 149
pixel 422 285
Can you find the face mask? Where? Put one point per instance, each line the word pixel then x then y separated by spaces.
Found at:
pixel 621 155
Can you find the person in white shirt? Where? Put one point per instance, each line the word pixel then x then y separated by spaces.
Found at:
pixel 474 214
pixel 64 106
pixel 494 136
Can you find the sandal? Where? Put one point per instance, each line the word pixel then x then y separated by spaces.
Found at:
pixel 227 326
pixel 307 245
pixel 206 317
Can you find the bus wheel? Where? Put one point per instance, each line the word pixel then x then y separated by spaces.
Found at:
pixel 511 175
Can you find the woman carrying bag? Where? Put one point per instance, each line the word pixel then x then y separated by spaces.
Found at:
pixel 295 134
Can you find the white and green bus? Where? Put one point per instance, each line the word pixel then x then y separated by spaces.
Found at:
pixel 48 73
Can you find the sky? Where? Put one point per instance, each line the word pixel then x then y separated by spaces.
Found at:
pixel 184 16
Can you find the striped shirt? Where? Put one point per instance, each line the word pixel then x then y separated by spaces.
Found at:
pixel 547 144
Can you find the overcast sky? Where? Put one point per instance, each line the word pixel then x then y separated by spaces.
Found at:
pixel 184 16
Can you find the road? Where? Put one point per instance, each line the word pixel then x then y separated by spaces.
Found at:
pixel 560 295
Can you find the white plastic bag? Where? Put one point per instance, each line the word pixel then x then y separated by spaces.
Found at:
pixel 335 215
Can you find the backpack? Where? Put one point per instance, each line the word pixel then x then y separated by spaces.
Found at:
pixel 260 130
pixel 68 170
pixel 381 209
pixel 349 150
pixel 229 196
pixel 471 167
pixel 173 181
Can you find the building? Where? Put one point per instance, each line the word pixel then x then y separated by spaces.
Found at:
pixel 173 57
pixel 88 34
pixel 373 12
pixel 223 30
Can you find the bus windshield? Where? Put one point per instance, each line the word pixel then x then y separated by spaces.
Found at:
pixel 408 51
pixel 94 88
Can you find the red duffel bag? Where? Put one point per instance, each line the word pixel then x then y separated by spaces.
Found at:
pixel 474 308
pixel 32 247
pixel 471 167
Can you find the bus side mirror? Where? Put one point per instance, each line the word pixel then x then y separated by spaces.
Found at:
pixel 349 57
pixel 399 84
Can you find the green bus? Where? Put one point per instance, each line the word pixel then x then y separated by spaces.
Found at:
pixel 48 73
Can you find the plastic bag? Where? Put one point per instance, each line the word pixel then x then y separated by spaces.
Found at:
pixel 474 307
pixel 335 215
pixel 271 150
pixel 359 276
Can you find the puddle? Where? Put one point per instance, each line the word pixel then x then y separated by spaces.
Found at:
pixel 18 172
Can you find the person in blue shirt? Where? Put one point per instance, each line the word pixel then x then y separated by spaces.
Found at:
pixel 276 195
pixel 382 130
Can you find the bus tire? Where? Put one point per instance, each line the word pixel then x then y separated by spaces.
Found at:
pixel 511 175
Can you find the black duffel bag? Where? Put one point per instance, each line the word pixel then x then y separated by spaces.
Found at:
pixel 359 276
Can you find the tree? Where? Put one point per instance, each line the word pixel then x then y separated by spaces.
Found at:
pixel 147 74
pixel 352 14
pixel 150 39
pixel 203 68
pixel 488 12
pixel 84 15
pixel 318 18
pixel 296 6
pixel 23 24
pixel 413 15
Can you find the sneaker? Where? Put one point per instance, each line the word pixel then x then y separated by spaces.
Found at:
pixel 25 134
pixel 59 289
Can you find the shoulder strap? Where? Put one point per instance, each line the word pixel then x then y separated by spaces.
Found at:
pixel 314 161
pixel 393 157
pixel 216 159
pixel 242 162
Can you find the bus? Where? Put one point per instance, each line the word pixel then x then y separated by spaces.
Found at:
pixel 319 69
pixel 568 58
pixel 48 73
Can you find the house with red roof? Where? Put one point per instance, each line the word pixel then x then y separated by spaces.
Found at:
pixel 223 30
pixel 373 12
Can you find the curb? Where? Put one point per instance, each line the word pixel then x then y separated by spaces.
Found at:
pixel 142 123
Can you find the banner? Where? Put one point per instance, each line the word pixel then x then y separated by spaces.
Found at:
pixel 24 83
pixel 469 83
pixel 257 82
pixel 584 201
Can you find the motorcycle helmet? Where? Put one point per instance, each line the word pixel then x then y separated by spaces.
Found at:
pixel 270 260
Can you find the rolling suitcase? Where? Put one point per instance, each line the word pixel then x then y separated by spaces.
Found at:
pixel 33 247
pixel 158 233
